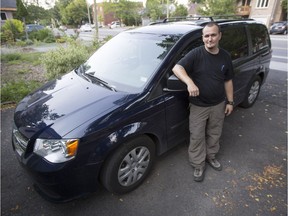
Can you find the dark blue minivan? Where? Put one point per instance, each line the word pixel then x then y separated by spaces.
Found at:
pixel 104 122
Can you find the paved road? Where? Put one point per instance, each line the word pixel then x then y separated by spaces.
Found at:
pixel 253 181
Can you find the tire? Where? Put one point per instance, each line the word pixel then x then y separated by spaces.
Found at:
pixel 127 168
pixel 252 93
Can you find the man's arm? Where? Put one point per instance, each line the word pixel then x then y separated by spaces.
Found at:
pixel 181 73
pixel 229 95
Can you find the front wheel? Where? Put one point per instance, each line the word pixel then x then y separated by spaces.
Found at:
pixel 127 168
pixel 252 93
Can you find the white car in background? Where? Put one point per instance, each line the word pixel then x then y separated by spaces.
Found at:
pixel 86 28
pixel 114 24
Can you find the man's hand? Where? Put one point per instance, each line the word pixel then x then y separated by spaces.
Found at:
pixel 228 109
pixel 181 73
pixel 193 90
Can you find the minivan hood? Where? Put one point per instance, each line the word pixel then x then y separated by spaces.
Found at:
pixel 69 97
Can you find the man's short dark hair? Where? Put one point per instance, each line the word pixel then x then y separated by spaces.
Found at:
pixel 210 24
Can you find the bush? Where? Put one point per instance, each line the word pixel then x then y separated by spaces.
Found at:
pixel 12 30
pixel 64 59
pixel 15 91
pixel 44 35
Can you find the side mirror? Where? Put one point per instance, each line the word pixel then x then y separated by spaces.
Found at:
pixel 174 84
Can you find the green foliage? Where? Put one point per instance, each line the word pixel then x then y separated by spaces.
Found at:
pixel 64 59
pixel 21 43
pixel 73 12
pixel 218 7
pixel 284 5
pixel 155 10
pixel 196 1
pixel 181 11
pixel 39 14
pixel 14 85
pixel 44 35
pixel 126 12
pixel 10 57
pixel 18 58
pixel 11 30
pixel 21 10
pixel 15 91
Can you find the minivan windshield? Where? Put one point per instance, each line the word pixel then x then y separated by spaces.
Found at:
pixel 128 61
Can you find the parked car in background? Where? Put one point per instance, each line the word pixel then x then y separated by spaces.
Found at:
pixel 62 27
pixel 279 28
pixel 114 24
pixel 104 122
pixel 86 28
pixel 34 27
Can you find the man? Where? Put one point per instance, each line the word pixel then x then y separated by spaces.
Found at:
pixel 207 71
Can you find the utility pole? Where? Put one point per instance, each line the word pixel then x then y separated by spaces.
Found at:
pixel 167 5
pixel 88 12
pixel 96 21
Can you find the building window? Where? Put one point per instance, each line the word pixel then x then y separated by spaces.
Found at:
pixel 3 16
pixel 262 3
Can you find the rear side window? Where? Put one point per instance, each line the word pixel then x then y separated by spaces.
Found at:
pixel 259 37
pixel 234 40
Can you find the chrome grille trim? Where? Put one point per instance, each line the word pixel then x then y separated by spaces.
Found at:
pixel 20 142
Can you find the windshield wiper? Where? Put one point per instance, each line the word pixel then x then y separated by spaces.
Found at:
pixel 90 78
pixel 80 73
pixel 98 80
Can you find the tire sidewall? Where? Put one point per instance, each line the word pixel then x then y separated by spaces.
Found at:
pixel 111 168
pixel 246 103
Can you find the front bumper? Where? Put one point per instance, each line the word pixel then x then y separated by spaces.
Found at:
pixel 61 182
pixel 58 182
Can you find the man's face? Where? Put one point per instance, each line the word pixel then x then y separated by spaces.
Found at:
pixel 211 37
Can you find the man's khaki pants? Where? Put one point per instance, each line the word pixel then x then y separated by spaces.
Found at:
pixel 205 125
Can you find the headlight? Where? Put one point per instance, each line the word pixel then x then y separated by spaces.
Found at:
pixel 56 151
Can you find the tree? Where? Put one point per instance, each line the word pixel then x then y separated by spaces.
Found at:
pixel 218 7
pixel 75 12
pixel 37 14
pixel 127 12
pixel 58 11
pixel 181 11
pixel 21 11
pixel 155 10
pixel 284 5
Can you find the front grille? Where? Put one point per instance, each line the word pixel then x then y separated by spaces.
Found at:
pixel 20 142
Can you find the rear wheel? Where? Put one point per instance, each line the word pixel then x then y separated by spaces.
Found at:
pixel 127 168
pixel 252 93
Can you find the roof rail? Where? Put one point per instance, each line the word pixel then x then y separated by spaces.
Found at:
pixel 190 18
pixel 203 19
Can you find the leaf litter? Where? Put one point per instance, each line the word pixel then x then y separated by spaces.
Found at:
pixel 266 190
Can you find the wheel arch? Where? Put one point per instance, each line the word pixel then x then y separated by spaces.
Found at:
pixel 103 174
pixel 120 138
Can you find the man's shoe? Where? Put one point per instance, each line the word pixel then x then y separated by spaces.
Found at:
pixel 214 164
pixel 199 174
